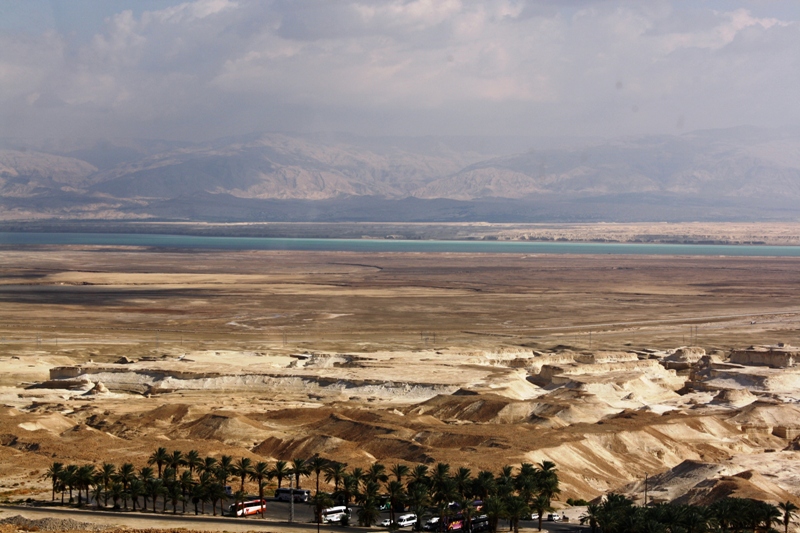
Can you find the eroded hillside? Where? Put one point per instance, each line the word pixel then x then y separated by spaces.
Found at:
pixel 604 365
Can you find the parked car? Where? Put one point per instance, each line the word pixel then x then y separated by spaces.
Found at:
pixel 406 520
pixel 554 517
pixel 432 524
pixel 535 516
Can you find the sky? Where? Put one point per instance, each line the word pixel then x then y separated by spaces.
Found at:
pixel 204 69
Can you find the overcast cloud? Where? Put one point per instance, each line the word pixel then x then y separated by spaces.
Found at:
pixel 209 68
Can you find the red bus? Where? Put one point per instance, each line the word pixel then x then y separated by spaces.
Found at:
pixel 247 508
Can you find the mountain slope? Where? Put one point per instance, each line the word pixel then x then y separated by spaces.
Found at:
pixel 24 173
pixel 691 166
pixel 278 166
pixel 740 173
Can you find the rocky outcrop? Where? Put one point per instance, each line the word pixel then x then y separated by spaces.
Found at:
pixel 778 356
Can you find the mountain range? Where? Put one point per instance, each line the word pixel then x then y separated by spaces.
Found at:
pixel 740 173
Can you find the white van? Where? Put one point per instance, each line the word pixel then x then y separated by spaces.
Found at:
pixel 335 514
pixel 406 520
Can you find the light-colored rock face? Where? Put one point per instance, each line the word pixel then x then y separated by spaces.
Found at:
pixel 734 397
pixel 604 418
pixel 686 354
pixel 771 356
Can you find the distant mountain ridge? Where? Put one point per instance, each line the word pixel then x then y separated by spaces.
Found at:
pixel 743 172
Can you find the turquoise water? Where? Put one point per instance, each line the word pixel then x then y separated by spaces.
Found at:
pixel 380 245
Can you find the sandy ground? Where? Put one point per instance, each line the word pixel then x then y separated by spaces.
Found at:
pixel 480 360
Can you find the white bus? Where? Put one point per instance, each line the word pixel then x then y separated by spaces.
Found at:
pixel 335 514
pixel 247 508
pixel 300 495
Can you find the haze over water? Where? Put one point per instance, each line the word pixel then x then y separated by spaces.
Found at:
pixel 392 245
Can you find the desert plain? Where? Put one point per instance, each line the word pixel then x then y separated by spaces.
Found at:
pixel 613 367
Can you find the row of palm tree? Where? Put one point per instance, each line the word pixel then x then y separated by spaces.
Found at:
pixel 439 491
pixel 618 514
pixel 176 478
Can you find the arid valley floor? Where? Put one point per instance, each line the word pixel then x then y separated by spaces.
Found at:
pixel 613 367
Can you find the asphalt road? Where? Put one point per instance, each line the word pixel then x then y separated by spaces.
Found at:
pixel 276 519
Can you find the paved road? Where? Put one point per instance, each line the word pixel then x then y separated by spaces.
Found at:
pixel 276 520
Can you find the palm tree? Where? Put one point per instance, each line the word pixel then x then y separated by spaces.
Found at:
pixel 484 485
pixel 463 481
pixel 548 485
pixel 516 508
pixel 258 473
pixel 397 495
pixel 158 457
pixel 125 475
pixel 768 514
pixel 299 468
pixel 84 477
pixel 145 475
pixel 723 511
pixel 242 469
pixel 334 473
pixel 613 512
pixel 419 475
pixel 467 509
pixel 239 496
pixel 526 482
pixel 154 487
pixel 440 472
pixel 495 509
pixel 376 473
pixel 69 478
pixel 176 461
pixel 198 495
pixel 98 491
pixel 216 492
pixel 369 513
pixel 53 473
pixel 789 511
pixel 505 481
pixel 399 471
pixel 117 492
pixel 193 461
pixel 107 474
pixel 136 489
pixel 224 470
pixel 186 482
pixel 590 516
pixel 173 492
pixel 418 501
pixel 317 465
pixel 61 484
pixel 693 518
pixel 225 461
pixel 541 504
pixel 349 488
pixel 209 464
pixel 444 489
pixel 281 471
pixel 321 500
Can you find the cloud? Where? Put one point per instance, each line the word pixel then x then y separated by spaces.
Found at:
pixel 216 67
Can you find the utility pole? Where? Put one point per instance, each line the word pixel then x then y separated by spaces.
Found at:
pixel 645 489
pixel 291 499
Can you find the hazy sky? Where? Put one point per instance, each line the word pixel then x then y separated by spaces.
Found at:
pixel 209 68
